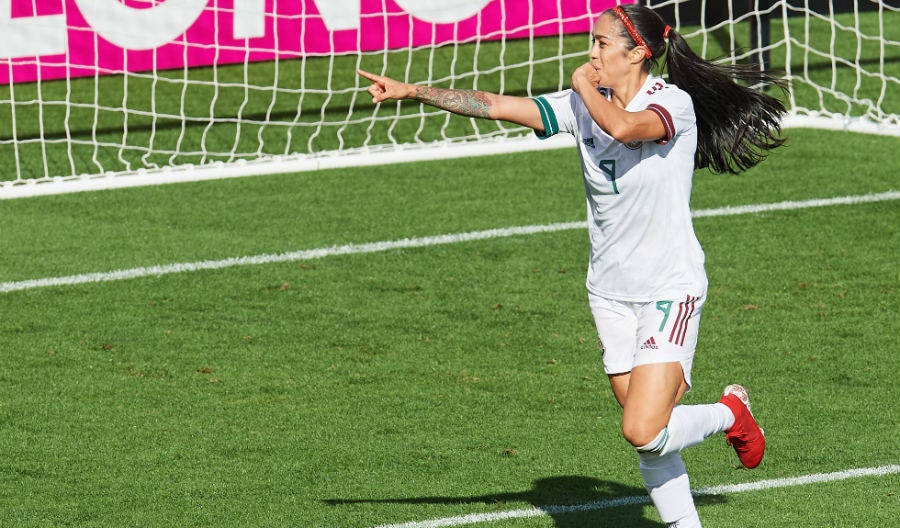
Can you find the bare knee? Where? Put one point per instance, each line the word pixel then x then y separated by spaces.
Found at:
pixel 639 433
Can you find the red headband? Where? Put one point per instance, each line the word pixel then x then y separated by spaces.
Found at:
pixel 629 27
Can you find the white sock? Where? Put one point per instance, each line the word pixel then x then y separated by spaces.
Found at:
pixel 688 426
pixel 691 424
pixel 667 483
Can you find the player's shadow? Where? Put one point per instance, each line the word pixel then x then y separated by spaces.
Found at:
pixel 571 501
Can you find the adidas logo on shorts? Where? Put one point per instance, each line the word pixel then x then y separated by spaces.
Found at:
pixel 650 343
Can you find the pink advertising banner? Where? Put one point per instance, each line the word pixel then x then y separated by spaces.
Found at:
pixel 51 39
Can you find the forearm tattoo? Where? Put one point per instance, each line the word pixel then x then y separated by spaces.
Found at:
pixel 472 103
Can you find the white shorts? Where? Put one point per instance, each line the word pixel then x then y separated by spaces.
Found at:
pixel 633 334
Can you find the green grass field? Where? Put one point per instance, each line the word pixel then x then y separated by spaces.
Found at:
pixel 405 385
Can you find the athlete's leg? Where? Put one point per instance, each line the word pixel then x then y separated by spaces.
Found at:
pixel 649 395
pixel 686 426
pixel 648 388
pixel 667 331
pixel 653 391
pixel 667 483
pixel 691 424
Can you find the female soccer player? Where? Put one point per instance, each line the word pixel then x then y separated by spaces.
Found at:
pixel 640 138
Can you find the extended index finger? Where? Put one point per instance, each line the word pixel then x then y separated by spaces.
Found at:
pixel 370 76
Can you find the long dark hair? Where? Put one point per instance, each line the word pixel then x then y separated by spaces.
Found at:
pixel 736 124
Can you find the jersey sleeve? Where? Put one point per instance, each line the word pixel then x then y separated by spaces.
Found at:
pixel 557 113
pixel 675 109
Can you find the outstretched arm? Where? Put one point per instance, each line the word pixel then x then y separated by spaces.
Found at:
pixel 469 103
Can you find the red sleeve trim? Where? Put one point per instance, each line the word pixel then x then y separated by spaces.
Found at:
pixel 667 122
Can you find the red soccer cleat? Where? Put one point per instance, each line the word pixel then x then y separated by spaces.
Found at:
pixel 745 436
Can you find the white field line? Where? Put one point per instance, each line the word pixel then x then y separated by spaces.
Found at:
pixel 351 249
pixel 536 511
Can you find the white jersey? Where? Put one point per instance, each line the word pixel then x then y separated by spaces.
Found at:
pixel 643 246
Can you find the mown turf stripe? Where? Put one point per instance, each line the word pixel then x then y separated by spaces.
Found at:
pixel 538 511
pixel 350 249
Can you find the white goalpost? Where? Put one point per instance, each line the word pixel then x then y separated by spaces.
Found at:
pixel 98 94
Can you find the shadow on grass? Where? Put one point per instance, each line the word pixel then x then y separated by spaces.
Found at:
pixel 571 501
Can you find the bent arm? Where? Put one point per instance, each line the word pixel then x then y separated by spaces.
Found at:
pixel 469 103
pixel 621 124
pixel 624 126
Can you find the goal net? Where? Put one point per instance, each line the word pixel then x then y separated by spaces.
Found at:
pixel 110 93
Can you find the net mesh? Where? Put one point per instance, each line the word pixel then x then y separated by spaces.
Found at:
pixel 96 121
